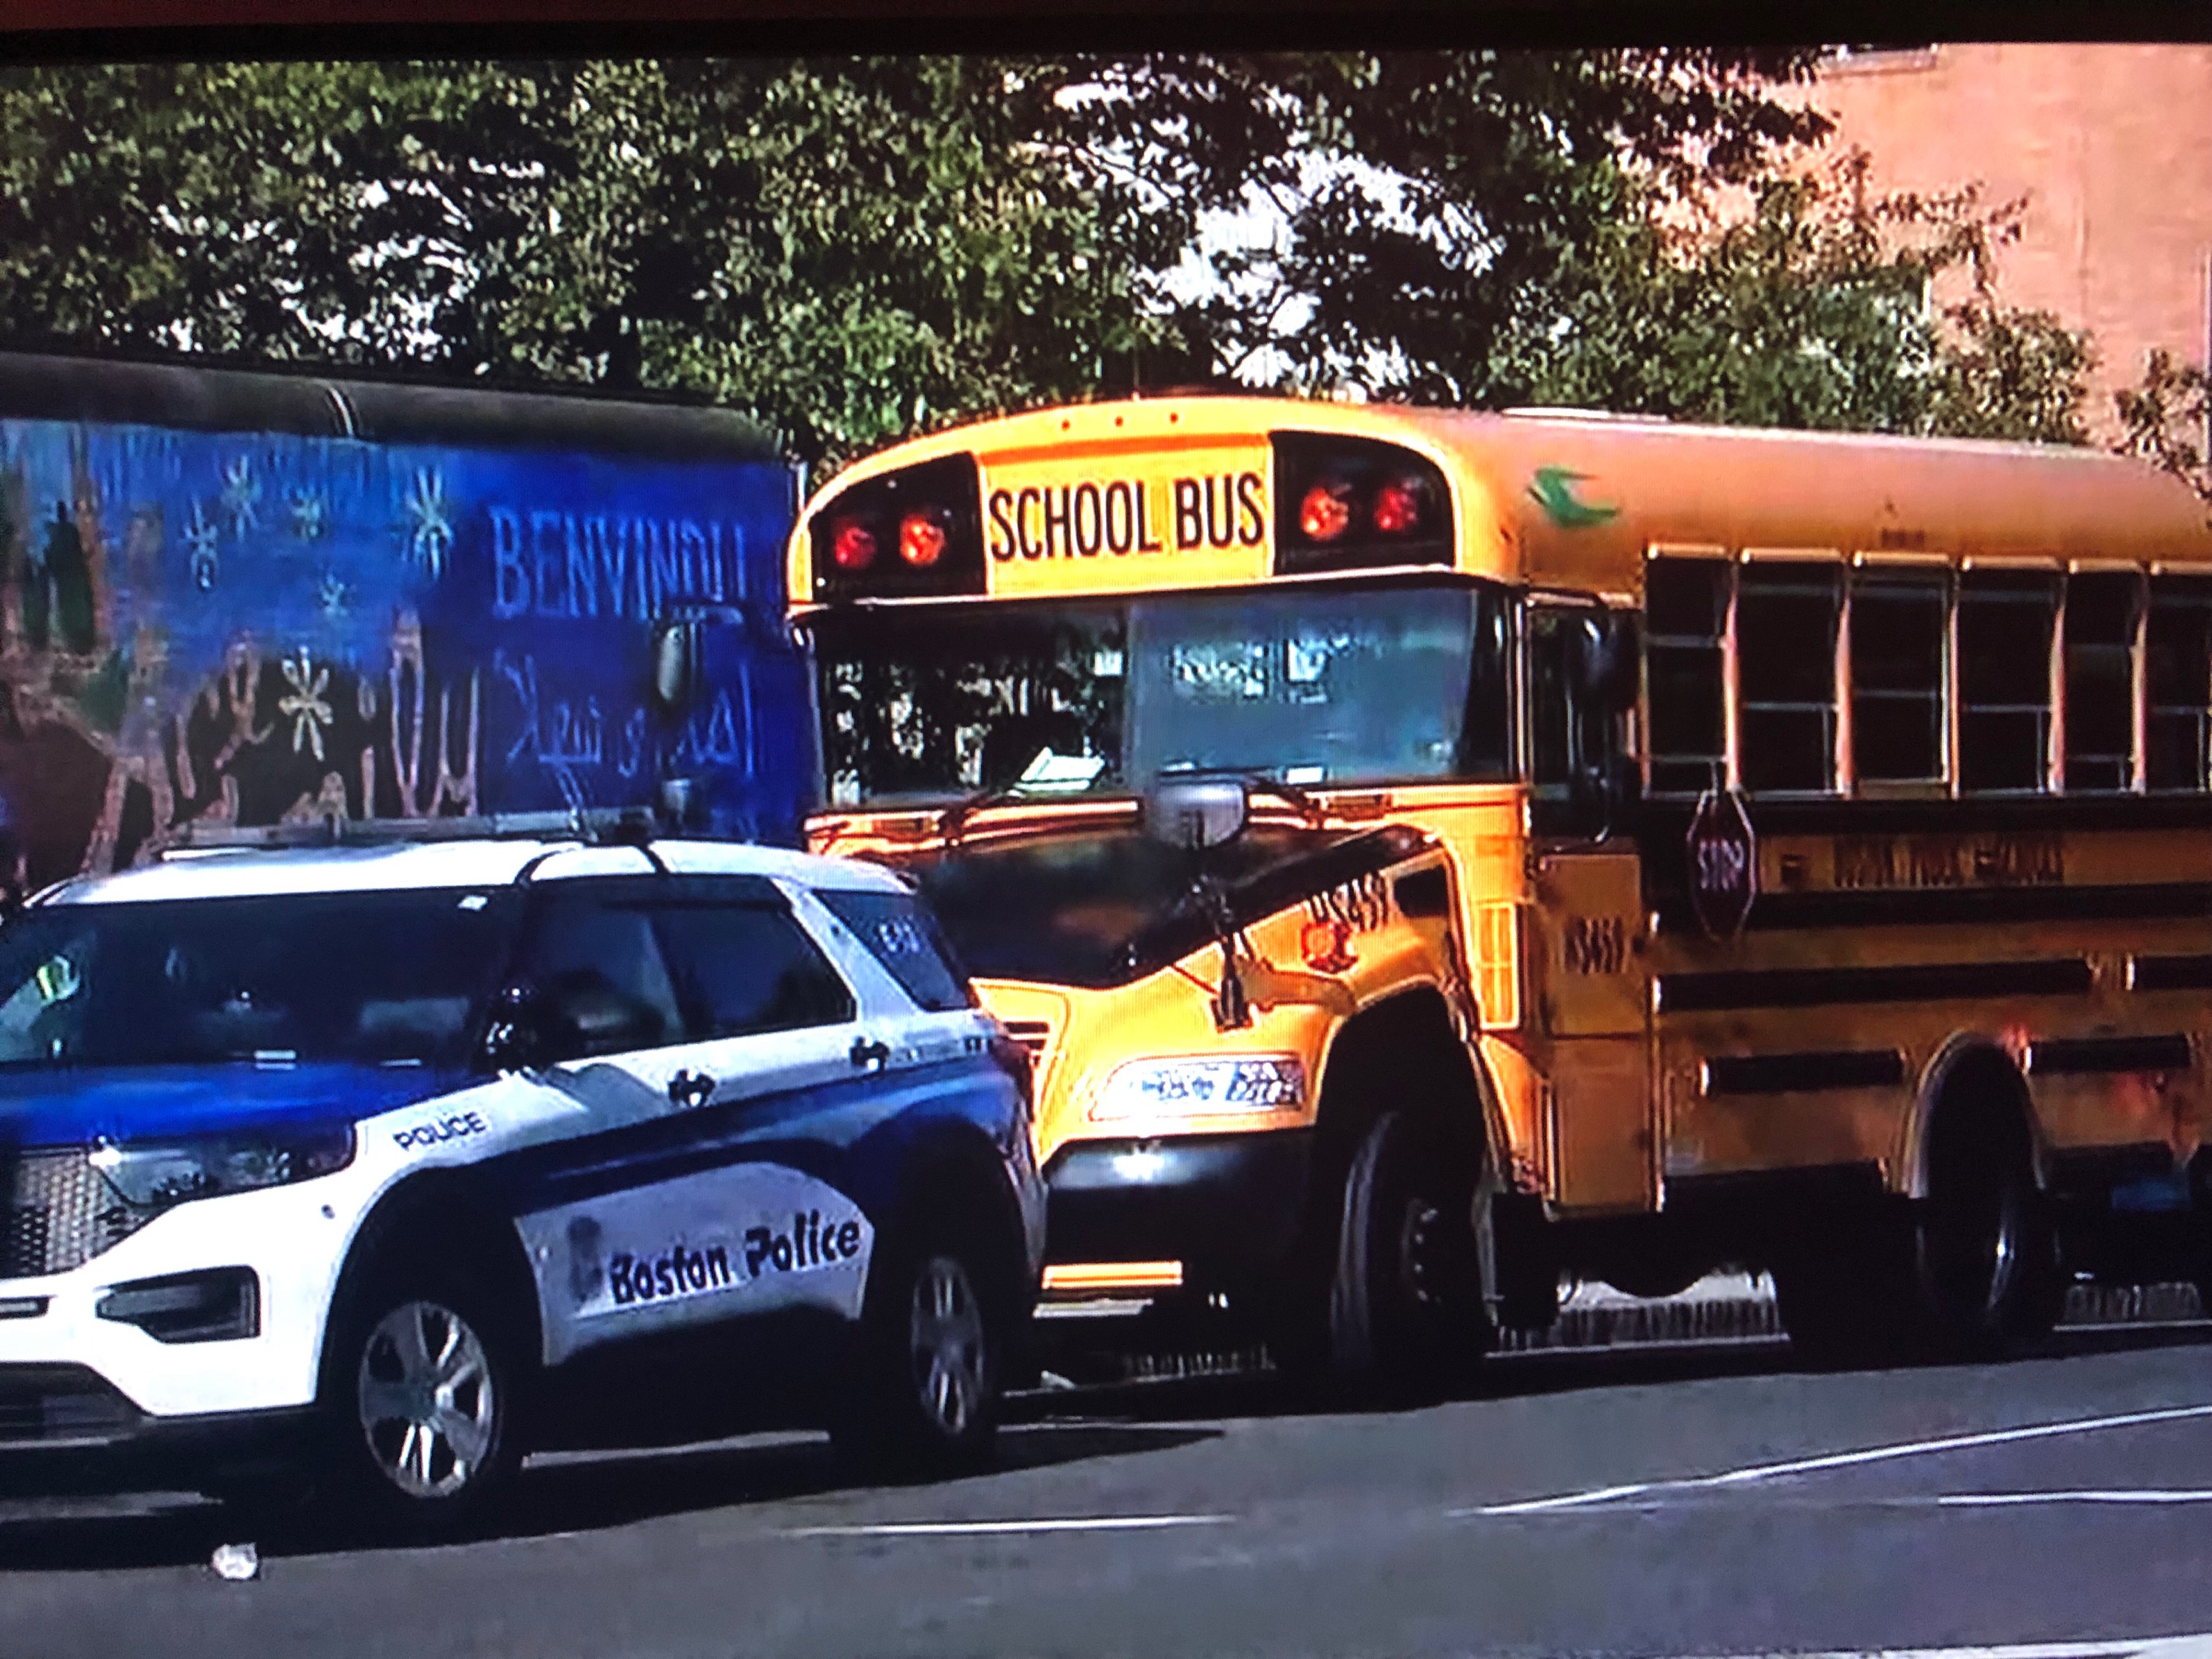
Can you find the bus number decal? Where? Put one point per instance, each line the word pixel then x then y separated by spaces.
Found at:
pixel 1362 904
pixel 1596 944
pixel 1129 515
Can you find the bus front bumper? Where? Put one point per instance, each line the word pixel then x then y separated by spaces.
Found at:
pixel 1222 1206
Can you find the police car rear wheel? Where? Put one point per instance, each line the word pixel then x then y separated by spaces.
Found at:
pixel 927 1397
pixel 949 1347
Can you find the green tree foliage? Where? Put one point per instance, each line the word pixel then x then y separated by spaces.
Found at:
pixel 854 248
pixel 1815 308
pixel 2166 418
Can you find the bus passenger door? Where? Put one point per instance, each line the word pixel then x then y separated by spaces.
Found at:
pixel 1593 994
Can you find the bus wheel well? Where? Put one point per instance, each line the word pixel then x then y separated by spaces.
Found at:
pixel 1402 1054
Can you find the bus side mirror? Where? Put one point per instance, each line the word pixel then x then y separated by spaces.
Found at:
pixel 1196 813
pixel 675 665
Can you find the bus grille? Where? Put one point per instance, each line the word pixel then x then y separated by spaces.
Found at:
pixel 1032 1034
pixel 56 1212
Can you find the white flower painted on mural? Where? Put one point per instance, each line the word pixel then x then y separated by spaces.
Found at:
pixel 241 496
pixel 332 594
pixel 431 536
pixel 307 514
pixel 200 543
pixel 308 706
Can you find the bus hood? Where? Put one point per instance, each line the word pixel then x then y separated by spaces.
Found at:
pixel 1098 908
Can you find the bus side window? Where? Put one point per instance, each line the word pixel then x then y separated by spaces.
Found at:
pixel 2004 623
pixel 2103 609
pixel 1685 603
pixel 2178 682
pixel 1786 632
pixel 1897 678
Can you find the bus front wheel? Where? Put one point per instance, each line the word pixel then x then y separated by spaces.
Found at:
pixel 1404 1307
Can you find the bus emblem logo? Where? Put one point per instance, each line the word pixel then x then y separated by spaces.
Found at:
pixel 1553 490
pixel 1723 864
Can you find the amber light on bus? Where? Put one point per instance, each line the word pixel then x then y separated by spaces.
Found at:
pixel 929 514
pixel 1355 504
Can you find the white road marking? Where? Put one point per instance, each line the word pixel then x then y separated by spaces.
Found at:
pixel 2152 1647
pixel 957 1528
pixel 1757 1472
pixel 1999 1499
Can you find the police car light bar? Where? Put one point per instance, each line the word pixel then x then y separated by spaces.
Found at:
pixel 603 825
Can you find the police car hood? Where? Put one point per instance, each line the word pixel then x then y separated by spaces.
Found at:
pixel 1097 910
pixel 53 1106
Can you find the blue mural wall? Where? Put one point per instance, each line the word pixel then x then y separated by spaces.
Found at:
pixel 253 627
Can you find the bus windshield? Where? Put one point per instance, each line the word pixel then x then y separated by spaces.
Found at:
pixel 1315 687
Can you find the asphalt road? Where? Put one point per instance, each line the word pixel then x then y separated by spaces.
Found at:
pixel 1713 1503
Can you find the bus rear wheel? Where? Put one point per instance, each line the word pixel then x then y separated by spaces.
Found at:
pixel 1986 1263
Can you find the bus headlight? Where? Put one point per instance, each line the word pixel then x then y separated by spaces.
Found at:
pixel 1204 1088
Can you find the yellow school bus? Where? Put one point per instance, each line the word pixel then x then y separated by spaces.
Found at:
pixel 1430 853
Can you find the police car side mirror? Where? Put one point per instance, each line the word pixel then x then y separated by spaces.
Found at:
pixel 514 1036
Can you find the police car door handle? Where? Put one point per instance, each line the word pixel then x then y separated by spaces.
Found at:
pixel 690 1089
pixel 866 1052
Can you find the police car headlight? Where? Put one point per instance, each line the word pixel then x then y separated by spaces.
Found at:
pixel 1204 1088
pixel 156 1174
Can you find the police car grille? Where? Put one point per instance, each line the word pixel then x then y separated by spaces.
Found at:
pixel 56 1213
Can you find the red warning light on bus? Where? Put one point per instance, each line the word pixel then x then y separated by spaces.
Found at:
pixel 853 545
pixel 922 535
pixel 1325 513
pixel 1398 506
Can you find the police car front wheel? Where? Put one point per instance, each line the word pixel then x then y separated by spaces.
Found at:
pixel 422 1398
pixel 428 1401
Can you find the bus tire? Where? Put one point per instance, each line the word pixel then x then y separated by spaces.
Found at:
pixel 1985 1261
pixel 1405 1306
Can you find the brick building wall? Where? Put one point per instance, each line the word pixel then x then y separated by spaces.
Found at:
pixel 2111 145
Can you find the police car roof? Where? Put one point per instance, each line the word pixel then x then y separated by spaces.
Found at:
pixel 234 873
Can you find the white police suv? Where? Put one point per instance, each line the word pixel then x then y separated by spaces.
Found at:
pixel 384 1160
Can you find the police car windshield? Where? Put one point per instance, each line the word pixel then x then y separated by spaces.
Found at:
pixel 1316 686
pixel 376 978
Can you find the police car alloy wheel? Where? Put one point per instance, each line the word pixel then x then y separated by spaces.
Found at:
pixel 420 1401
pixel 429 1403
pixel 950 1348
pixel 925 1396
